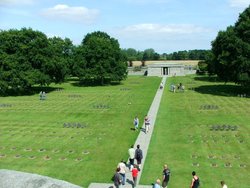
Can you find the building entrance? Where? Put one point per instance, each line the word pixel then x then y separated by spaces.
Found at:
pixel 165 70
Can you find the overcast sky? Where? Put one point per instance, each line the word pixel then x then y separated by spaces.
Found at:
pixel 164 25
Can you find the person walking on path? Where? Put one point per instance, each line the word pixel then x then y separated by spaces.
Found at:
pixel 138 155
pixel 157 184
pixel 131 152
pixel 195 183
pixel 117 178
pixel 147 123
pixel 136 123
pixel 135 172
pixel 223 184
pixel 161 85
pixel 122 171
pixel 165 176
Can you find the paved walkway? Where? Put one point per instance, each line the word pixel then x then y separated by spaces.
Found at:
pixel 143 140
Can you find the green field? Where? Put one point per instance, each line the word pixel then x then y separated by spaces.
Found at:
pixel 205 129
pixel 35 137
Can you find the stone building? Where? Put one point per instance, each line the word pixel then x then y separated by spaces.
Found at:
pixel 164 69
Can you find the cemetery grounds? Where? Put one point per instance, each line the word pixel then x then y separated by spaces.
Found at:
pixel 77 134
pixel 205 129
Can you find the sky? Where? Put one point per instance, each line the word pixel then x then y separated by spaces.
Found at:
pixel 164 25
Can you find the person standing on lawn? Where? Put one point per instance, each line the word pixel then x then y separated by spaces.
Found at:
pixel 165 176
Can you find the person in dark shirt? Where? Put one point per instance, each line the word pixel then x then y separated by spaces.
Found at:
pixel 138 155
pixel 117 178
pixel 195 181
pixel 165 176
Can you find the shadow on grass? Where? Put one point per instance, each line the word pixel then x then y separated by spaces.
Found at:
pixel 31 91
pixel 208 79
pixel 224 90
pixel 94 84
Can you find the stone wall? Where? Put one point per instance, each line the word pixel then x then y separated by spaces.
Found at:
pixel 15 179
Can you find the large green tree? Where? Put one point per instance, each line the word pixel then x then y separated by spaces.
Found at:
pixel 26 58
pixel 231 52
pixel 62 51
pixel 100 59
pixel 150 54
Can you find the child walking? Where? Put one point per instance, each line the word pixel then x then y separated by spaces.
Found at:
pixel 135 172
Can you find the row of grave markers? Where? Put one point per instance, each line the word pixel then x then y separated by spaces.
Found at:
pixel 85 152
pixel 5 105
pixel 47 157
pixel 74 125
pixel 209 107
pixel 224 128
pixel 226 165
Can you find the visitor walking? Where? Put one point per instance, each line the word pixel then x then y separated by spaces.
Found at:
pixel 147 123
pixel 138 155
pixel 135 172
pixel 136 123
pixel 122 171
pixel 195 181
pixel 117 178
pixel 161 85
pixel 131 152
pixel 165 176
pixel 43 95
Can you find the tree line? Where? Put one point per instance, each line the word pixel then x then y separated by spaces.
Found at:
pixel 29 58
pixel 230 54
pixel 150 54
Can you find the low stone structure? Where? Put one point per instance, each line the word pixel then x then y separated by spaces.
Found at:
pixel 163 69
pixel 166 69
pixel 14 179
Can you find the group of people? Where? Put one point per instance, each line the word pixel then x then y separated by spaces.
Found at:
pixel 146 123
pixel 195 182
pixel 120 175
pixel 179 87
pixel 42 95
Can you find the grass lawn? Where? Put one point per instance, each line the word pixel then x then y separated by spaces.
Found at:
pixel 35 135
pixel 185 139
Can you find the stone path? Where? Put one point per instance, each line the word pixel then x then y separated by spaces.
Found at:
pixel 143 140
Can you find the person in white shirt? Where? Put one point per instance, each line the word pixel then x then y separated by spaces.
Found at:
pixel 136 123
pixel 131 152
pixel 122 171
pixel 147 123
pixel 161 85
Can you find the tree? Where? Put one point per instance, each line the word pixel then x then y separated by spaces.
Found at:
pixel 231 52
pixel 150 54
pixel 130 53
pixel 22 55
pixel 102 59
pixel 26 58
pixel 62 51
